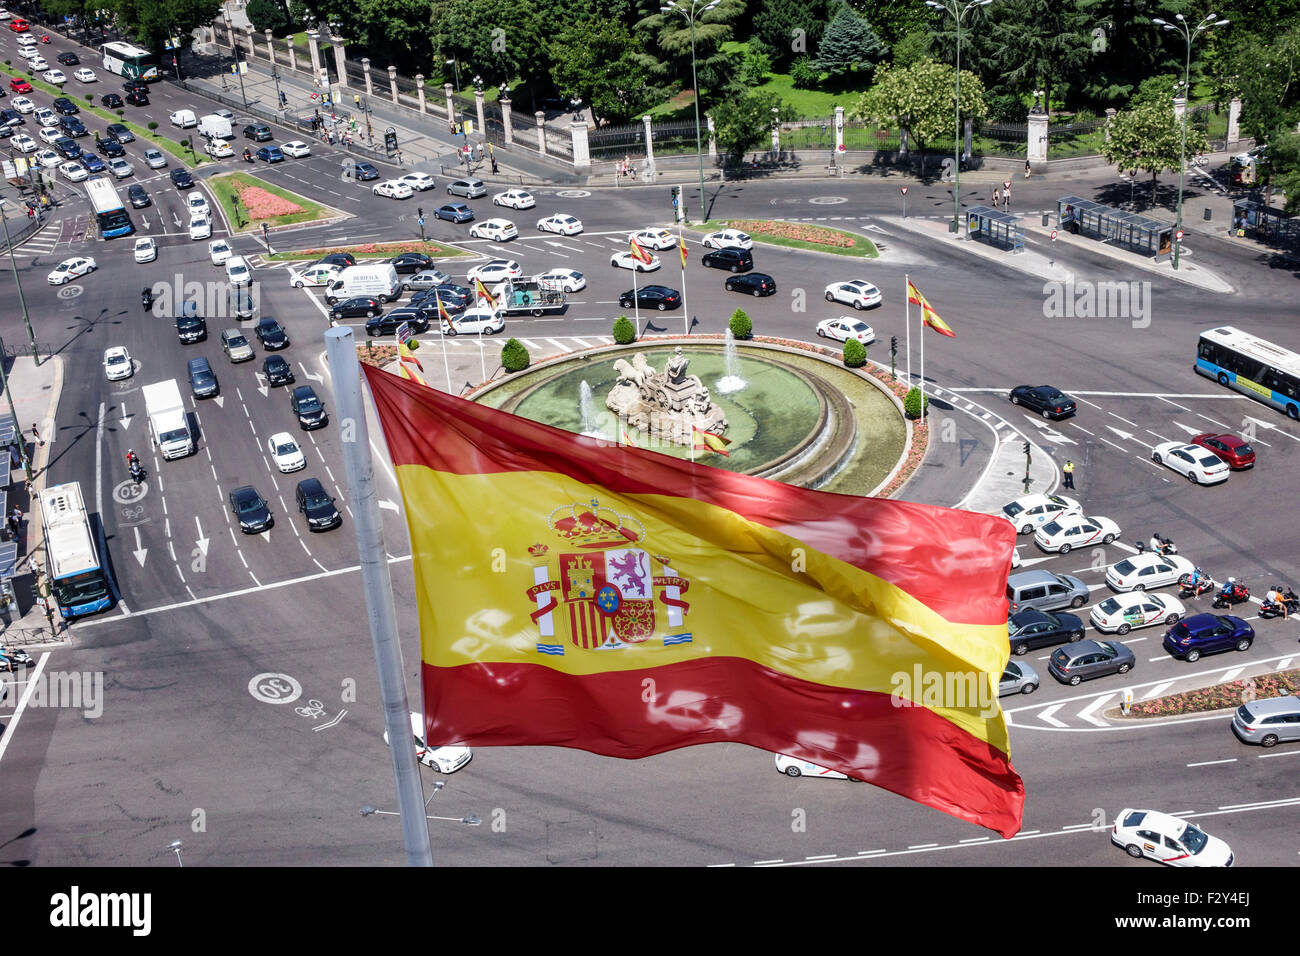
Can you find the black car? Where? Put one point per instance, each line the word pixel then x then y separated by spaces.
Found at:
pixel 357 307
pixel 309 409
pixel 1030 629
pixel 257 132
pixel 181 178
pixel 652 297
pixel 1048 401
pixel 136 86
pixel 345 259
pixel 138 196
pixel 409 263
pixel 72 126
pixel 137 98
pixel 190 326
pixel 316 505
pixel 454 212
pixel 67 148
pixel 120 133
pixel 756 283
pixel 277 370
pixel 733 260
pixel 68 58
pixel 270 334
pixel 11 117
pixel 111 101
pixel 454 298
pixel 251 510
pixel 65 106
pixel 110 148
pixel 203 383
pixel 387 324
pixel 364 172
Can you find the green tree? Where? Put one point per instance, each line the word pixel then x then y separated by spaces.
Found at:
pixel 624 330
pixel 501 38
pixel 745 121
pixel 741 325
pixel 1149 137
pixel 802 74
pixel 919 99
pixel 1036 44
pixel 594 60
pixel 1264 70
pixel 791 28
pixel 912 402
pixel 912 48
pixel 151 23
pixel 855 353
pixel 895 19
pixel 849 44
pixel 1284 161
pixel 514 357
pixel 266 15
pixel 1125 48
pixel 669 36
pixel 755 63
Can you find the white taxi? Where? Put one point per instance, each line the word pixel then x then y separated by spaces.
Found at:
pixel 654 239
pixel 1143 572
pixel 625 260
pixel 200 228
pixel 561 224
pixel 498 230
pixel 1123 612
pixel 70 269
pixel 515 199
pixel 798 767
pixel 219 251
pixel 844 327
pixel 313 275
pixel 393 189
pixel 146 250
pixel 73 172
pixel 1031 512
pixel 727 239
pixel 117 363
pixel 442 759
pixel 1069 531
pixel 1167 839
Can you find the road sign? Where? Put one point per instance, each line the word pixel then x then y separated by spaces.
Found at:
pixel 1053 235
pixel 422 220
pixel 404 333
pixel 903 190
pixel 841 148
pixel 1006 184
pixel 1179 235
pixel 469 128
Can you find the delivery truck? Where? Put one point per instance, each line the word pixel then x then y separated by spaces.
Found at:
pixel 378 279
pixel 167 422
pixel 529 296
pixel 213 126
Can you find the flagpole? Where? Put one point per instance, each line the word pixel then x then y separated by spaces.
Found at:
pixel 482 356
pixel 686 318
pixel 442 340
pixel 636 300
pixel 341 350
pixel 907 323
pixel 921 332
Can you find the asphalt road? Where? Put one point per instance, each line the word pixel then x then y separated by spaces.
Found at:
pixel 184 748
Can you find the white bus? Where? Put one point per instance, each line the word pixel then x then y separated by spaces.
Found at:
pixel 77 573
pixel 1253 366
pixel 111 216
pixel 130 61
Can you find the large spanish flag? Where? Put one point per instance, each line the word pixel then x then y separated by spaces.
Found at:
pixel 577 593
pixel 928 315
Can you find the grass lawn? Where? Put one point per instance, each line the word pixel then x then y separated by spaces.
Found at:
pixel 227 185
pixel 813 104
pixel 861 248
pixel 377 250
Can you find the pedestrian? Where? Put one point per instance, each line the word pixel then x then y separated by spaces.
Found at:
pixel 1027 168
pixel 494 165
pixel 632 172
pixel 15 454
pixel 996 194
pixel 1068 471
pixel 1006 198
pixel 36 436
pixel 15 520
pixel 31 213
pixel 34 566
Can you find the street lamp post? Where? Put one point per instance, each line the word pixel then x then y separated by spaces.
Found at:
pixel 22 302
pixel 279 97
pixel 691 15
pixel 957 15
pixel 1189 34
pixel 459 105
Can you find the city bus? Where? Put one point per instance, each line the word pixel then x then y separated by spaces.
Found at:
pixel 1261 370
pixel 111 216
pixel 77 574
pixel 129 61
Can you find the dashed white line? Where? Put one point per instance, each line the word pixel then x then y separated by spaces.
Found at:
pixel 1212 763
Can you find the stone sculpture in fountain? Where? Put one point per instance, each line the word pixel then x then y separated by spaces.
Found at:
pixel 667 404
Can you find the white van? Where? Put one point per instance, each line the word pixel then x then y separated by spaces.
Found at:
pixel 377 279
pixel 185 119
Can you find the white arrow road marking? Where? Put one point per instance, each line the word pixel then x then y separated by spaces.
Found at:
pixel 1050 433
pixel 390 505
pixel 1088 712
pixel 314 378
pixel 261 384
pixel 220 400
pixel 1046 715
pixel 1187 428
pixel 201 541
pixel 1231 674
pixel 1157 690
pixel 1122 434
pixel 125 419
pixel 1032 561
pixel 176 219
pixel 140 552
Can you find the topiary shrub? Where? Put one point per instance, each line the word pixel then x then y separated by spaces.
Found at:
pixel 741 326
pixel 855 353
pixel 803 75
pixel 624 330
pixel 514 357
pixel 90 98
pixel 912 403
pixel 152 125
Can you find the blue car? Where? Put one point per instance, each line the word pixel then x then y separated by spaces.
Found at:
pixel 270 154
pixel 67 147
pixel 92 163
pixel 455 212
pixel 1208 634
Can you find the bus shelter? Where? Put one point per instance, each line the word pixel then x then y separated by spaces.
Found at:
pixel 995 227
pixel 1254 220
pixel 1140 234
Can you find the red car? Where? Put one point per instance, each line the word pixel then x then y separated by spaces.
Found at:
pixel 19 85
pixel 19 26
pixel 1237 452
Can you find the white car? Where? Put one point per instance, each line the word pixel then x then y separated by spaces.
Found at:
pixel 1167 839
pixel 393 189
pixel 296 148
pixel 1147 571
pixel 285 452
pixel 858 293
pixel 797 767
pixel 28 52
pixel 567 280
pixel 120 168
pixel 48 158
pixel 197 204
pixel 318 274
pixel 4 14
pixel 727 239
pixel 25 143
pixel 1198 465
pixel 237 271
pixel 560 224
pixel 1071 531
pixel 73 172
pixel 48 134
pixel 1121 613
pixel 846 327
pixel 37 62
pixel 218 148
pixel 200 228
pixel 625 260
pixel 498 230
pixel 219 251
pixel 474 322
pixel 654 239
pixel 54 76
pixel 146 250
pixel 495 270
pixel 442 759
pixel 117 364
pixel 1031 512
pixel 515 199
pixel 420 182
pixel 46 116
pixel 22 104
pixel 86 75
pixel 70 269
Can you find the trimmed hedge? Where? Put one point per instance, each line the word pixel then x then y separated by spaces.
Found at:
pixel 514 357
pixel 624 330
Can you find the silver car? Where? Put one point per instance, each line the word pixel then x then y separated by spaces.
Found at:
pixel 155 159
pixel 1045 591
pixel 469 188
pixel 425 280
pixel 1268 722
pixel 120 168
pixel 235 344
pixel 1018 678
pixel 1084 660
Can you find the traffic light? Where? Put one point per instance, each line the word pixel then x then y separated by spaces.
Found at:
pixel 675 192
pixel 893 344
pixel 419 211
pixel 1026 449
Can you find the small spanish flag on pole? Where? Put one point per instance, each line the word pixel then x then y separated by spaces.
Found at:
pixel 686 312
pixel 682 247
pixel 410 365
pixel 482 291
pixel 708 441
pixel 931 318
pixel 639 253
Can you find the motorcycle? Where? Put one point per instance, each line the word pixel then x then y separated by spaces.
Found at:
pixel 146 300
pixel 137 472
pixel 1185 589
pixel 248 157
pixel 1238 594
pixel 45 38
pixel 1290 601
pixel 1165 546
pixel 12 658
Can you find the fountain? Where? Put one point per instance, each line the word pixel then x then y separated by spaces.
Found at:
pixel 669 405
pixel 730 382
pixel 587 405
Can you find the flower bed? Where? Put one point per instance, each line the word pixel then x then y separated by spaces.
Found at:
pixel 798 231
pixel 377 355
pixel 248 202
pixel 376 250
pixel 1221 696
pixel 260 204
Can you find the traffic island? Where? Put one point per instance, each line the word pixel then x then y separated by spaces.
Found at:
pixel 797 235
pixel 376 250
pixel 1227 696
pixel 249 202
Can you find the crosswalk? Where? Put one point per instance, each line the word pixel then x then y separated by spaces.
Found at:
pixel 41 244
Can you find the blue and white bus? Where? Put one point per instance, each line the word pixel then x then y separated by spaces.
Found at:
pixel 1265 372
pixel 111 217
pixel 77 573
pixel 129 61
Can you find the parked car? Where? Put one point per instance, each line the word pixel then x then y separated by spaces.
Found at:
pixel 1201 634
pixel 120 133
pixel 111 101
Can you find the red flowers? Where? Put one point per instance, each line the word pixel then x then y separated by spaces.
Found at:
pixel 795 230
